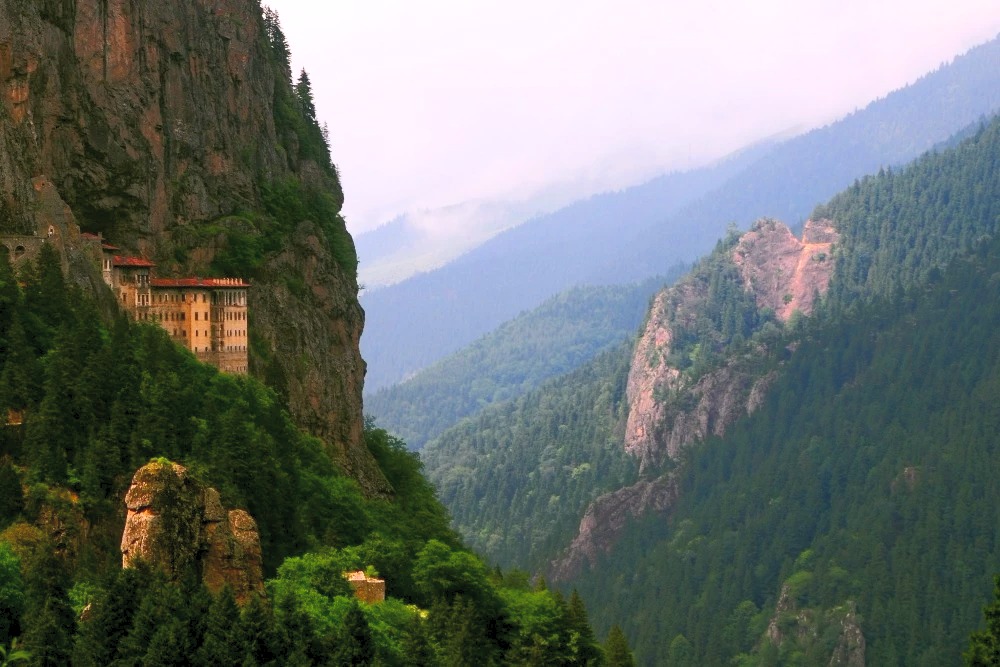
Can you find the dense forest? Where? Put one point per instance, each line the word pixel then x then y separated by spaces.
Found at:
pixel 97 402
pixel 867 443
pixel 900 230
pixel 518 477
pixel 563 333
pixel 864 480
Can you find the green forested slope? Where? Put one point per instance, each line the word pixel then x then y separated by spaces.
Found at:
pixel 900 226
pixel 518 476
pixel 98 401
pixel 563 333
pixel 888 240
pixel 868 476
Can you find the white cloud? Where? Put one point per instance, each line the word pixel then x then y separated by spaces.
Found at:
pixel 439 102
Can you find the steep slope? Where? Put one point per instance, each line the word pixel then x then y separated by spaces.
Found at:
pixel 173 130
pixel 517 477
pixel 780 274
pixel 709 351
pixel 563 333
pixel 619 244
pixel 864 481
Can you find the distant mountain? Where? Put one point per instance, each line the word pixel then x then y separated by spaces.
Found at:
pixel 636 233
pixel 427 239
pixel 800 173
pixel 412 324
pixel 563 333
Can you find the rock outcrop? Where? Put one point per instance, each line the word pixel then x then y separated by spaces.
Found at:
pixel 607 517
pixel 807 628
pixel 154 123
pixel 784 273
pixel 175 523
pixel 667 409
pixel 670 409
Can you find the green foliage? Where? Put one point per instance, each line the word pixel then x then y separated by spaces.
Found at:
pixel 518 477
pixel 616 649
pixel 559 336
pixel 864 477
pixel 286 202
pixel 725 320
pixel 11 594
pixel 984 645
pixel 109 401
pixel 901 227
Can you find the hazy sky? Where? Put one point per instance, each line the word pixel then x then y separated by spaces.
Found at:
pixel 434 102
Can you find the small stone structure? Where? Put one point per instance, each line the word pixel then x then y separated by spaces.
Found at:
pixel 21 247
pixel 367 589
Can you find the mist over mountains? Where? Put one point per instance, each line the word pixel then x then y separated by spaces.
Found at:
pixel 634 234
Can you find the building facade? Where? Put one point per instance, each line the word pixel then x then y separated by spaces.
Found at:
pixel 206 315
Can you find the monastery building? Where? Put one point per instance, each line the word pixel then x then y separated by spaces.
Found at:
pixel 206 315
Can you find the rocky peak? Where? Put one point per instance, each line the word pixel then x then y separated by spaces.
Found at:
pixel 669 410
pixel 174 522
pixel 785 273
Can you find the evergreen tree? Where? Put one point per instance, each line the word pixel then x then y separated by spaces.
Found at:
pixel 276 38
pixel 10 300
pixel 110 618
pixel 223 642
pixel 257 628
pixel 22 377
pixel 303 91
pixel 586 649
pixel 984 645
pixel 48 618
pixel 616 650
pixel 11 594
pixel 354 641
pixel 417 648
pixel 11 493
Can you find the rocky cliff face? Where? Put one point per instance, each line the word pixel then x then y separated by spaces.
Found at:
pixel 152 121
pixel 607 517
pixel 669 408
pixel 173 523
pixel 784 273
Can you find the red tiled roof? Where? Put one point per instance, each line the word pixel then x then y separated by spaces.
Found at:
pixel 198 282
pixel 131 261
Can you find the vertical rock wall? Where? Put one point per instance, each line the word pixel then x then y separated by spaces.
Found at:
pixel 152 119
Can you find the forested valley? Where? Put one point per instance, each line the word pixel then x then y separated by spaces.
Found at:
pixel 862 478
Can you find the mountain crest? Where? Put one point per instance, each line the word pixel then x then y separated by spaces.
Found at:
pixel 676 394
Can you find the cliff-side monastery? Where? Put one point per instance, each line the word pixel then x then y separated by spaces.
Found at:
pixel 206 315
